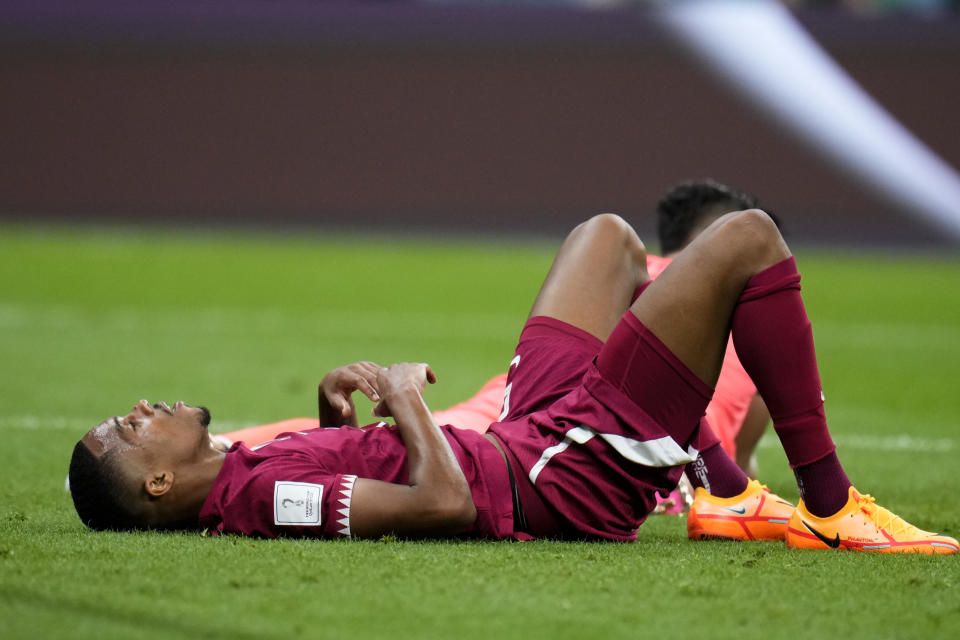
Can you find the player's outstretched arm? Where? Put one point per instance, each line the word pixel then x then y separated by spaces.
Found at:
pixel 437 498
pixel 335 392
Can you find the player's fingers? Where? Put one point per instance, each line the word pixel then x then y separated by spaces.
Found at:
pixel 369 367
pixel 363 376
pixel 338 401
pixel 367 388
pixel 371 371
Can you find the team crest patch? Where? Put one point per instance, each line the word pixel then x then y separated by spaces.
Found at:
pixel 297 503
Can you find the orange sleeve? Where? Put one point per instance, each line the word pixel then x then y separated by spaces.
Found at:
pixel 656 265
pixel 255 435
pixel 479 411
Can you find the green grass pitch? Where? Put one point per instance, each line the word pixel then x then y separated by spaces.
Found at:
pixel 92 320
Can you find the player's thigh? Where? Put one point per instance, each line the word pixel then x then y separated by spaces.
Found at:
pixel 594 275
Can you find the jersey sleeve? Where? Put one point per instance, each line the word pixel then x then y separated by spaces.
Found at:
pixel 290 501
pixel 313 509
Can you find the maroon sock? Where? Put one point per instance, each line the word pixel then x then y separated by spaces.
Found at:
pixel 717 473
pixel 774 341
pixel 823 485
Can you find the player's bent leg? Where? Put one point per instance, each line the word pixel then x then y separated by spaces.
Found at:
pixel 594 276
pixel 690 314
pixel 753 288
pixel 863 525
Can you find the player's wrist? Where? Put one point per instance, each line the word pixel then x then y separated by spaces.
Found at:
pixel 407 390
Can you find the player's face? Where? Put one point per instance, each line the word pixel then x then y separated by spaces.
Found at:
pixel 154 434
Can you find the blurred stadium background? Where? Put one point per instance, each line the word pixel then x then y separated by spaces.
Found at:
pixel 505 118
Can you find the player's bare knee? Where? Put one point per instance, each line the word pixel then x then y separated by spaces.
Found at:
pixel 601 223
pixel 611 230
pixel 755 236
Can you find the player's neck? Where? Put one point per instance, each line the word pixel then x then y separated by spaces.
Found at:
pixel 182 507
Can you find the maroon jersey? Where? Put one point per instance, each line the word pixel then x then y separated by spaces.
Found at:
pixel 301 484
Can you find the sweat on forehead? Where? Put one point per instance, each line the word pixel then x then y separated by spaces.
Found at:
pixel 104 438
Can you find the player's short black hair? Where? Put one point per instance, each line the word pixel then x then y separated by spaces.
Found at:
pixel 688 203
pixel 97 491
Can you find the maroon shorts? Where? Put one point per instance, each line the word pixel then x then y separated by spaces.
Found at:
pixel 595 442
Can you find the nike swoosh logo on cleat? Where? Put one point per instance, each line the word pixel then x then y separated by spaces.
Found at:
pixel 833 544
pixel 740 511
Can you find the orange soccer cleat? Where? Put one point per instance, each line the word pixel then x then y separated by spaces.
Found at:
pixel 755 514
pixel 862 525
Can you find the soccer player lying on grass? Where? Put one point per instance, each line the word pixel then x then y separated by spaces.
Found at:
pixel 604 408
pixel 736 412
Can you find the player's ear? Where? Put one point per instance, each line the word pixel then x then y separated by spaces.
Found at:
pixel 157 483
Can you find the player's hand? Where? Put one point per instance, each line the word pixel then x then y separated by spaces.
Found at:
pixel 401 378
pixel 337 386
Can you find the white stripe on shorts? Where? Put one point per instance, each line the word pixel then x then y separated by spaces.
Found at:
pixel 662 452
